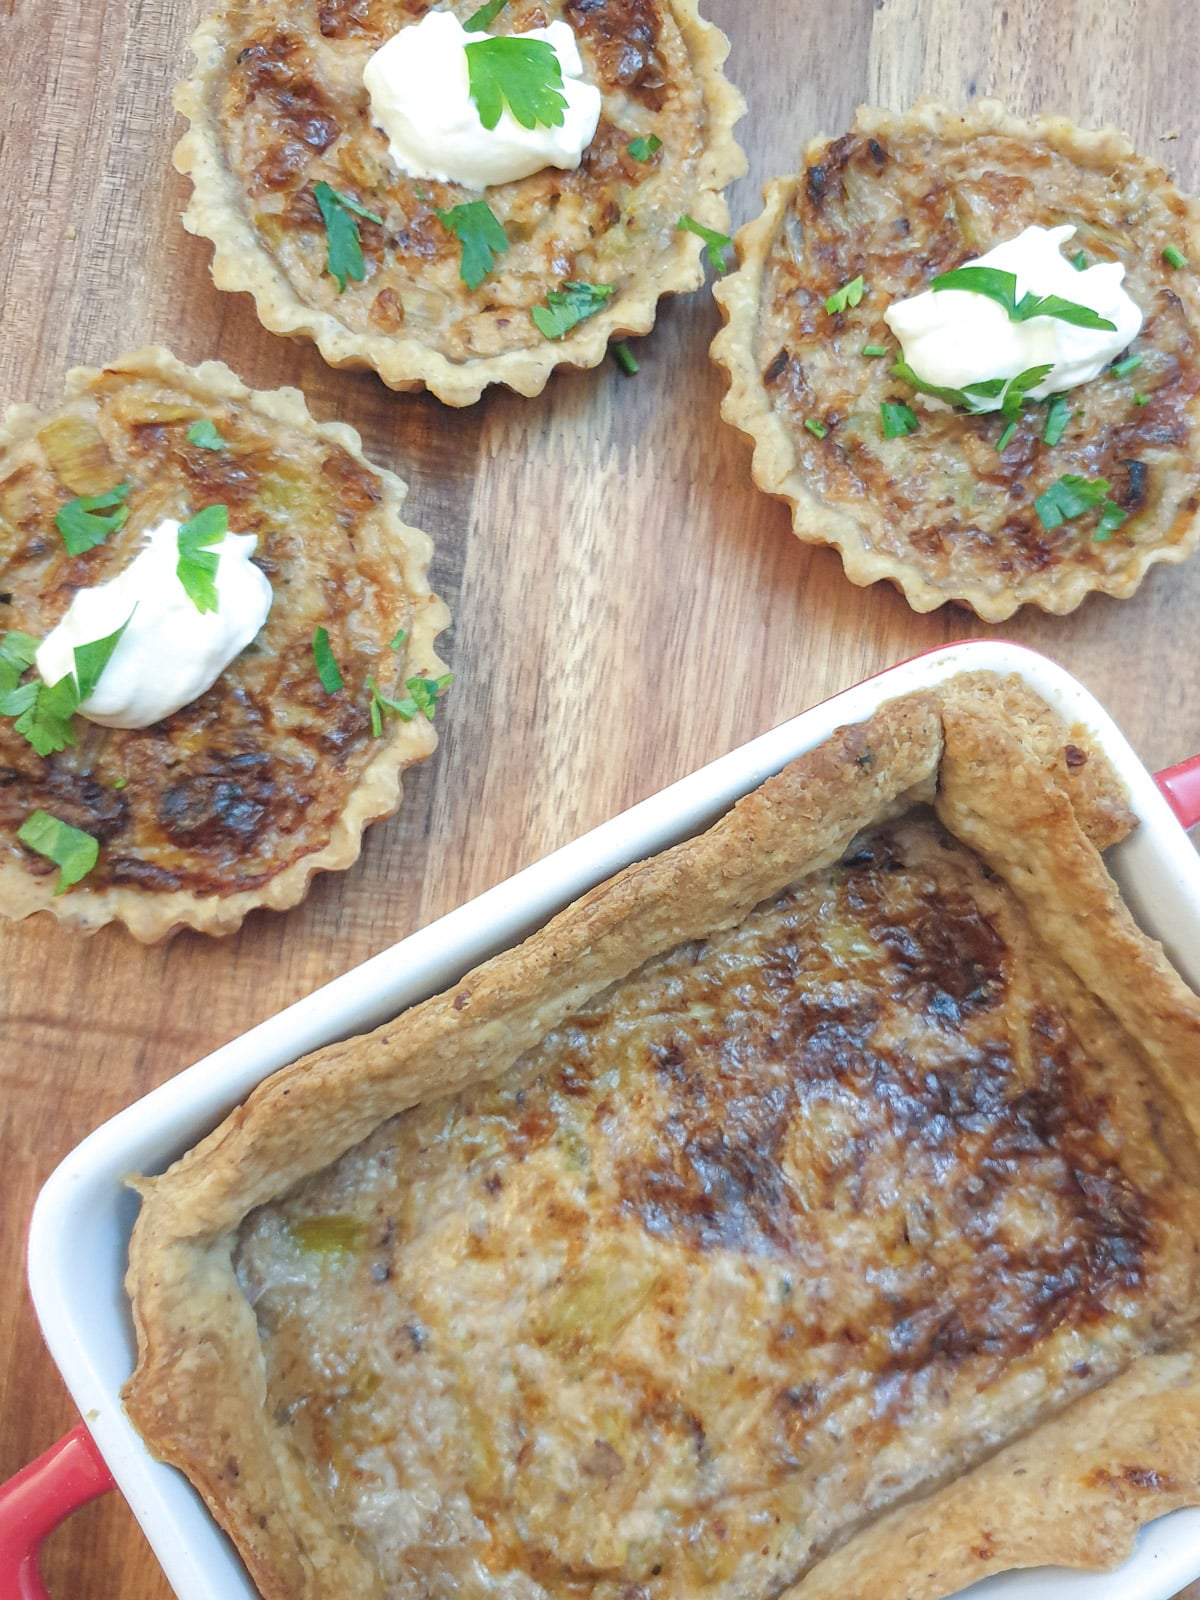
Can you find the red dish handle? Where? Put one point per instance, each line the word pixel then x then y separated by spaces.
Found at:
pixel 32 1504
pixel 1180 788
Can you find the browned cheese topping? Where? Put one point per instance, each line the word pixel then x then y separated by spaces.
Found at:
pixel 295 113
pixel 899 210
pixel 223 794
pixel 786 1226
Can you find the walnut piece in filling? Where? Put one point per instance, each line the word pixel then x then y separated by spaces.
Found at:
pixel 277 106
pixel 236 799
pixel 944 512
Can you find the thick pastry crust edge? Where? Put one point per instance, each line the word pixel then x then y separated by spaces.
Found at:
pixel 1073 1491
pixel 241 262
pixel 150 918
pixel 748 407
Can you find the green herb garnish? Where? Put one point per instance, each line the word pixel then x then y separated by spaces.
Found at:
pixel 1002 288
pixel 625 359
pixel 327 668
pixel 1079 261
pixel 72 851
pixel 642 149
pixel 1012 392
pixel 1130 364
pixel 480 21
pixel 1174 257
pixel 196 568
pixel 570 305
pixel 1141 399
pixel 343 247
pixel 422 696
pixel 396 642
pixel 17 651
pixel 898 419
pixel 204 434
pixel 1057 419
pixel 44 712
pixel 88 520
pixel 1003 440
pixel 850 294
pixel 816 428
pixel 874 350
pixel 715 244
pixel 523 73
pixel 478 230
pixel 1072 496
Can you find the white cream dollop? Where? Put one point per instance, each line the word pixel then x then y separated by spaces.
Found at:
pixel 952 337
pixel 420 97
pixel 170 653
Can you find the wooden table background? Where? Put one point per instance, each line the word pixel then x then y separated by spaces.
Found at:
pixel 627 605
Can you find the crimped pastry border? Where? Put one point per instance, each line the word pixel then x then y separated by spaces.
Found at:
pixel 216 211
pixel 152 917
pixel 748 407
pixel 1074 1491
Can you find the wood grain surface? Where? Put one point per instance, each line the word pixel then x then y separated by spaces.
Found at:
pixel 627 605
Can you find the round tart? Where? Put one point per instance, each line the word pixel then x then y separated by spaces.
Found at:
pixel 949 511
pixel 277 108
pixel 235 800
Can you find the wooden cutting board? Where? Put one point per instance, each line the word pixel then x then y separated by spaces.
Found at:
pixel 627 605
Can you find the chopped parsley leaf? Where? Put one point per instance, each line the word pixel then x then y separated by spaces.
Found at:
pixel 850 294
pixel 898 419
pixel 715 244
pixel 1057 418
pixel 1174 257
pixel 1072 496
pixel 88 520
pixel 422 696
pixel 327 668
pixel 1079 261
pixel 816 428
pixel 1003 440
pixel 1141 399
pixel 44 712
pixel 874 350
pixel 570 305
pixel 643 149
pixel 396 642
pixel 477 228
pixel 196 568
pixel 523 73
pixel 1002 288
pixel 480 21
pixel 17 651
pixel 204 434
pixel 1017 388
pixel 343 247
pixel 72 851
pixel 1130 364
pixel 625 359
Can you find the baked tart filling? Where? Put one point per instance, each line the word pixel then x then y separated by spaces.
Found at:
pixel 460 278
pixel 793 1191
pixel 1041 441
pixel 161 508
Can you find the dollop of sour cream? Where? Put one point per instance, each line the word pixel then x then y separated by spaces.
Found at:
pixel 420 97
pixel 170 653
pixel 952 337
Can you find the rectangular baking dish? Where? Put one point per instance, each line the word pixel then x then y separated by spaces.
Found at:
pixel 83 1217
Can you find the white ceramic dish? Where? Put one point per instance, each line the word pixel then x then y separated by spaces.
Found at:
pixel 82 1220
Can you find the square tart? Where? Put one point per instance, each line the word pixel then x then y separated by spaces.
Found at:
pixel 814 1207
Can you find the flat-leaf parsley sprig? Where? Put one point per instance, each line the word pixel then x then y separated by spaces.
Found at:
pixel 1072 496
pixel 343 247
pixel 423 695
pixel 197 565
pixel 44 712
pixel 88 520
pixel 72 851
pixel 1002 288
pixel 565 308
pixel 524 74
pixel 478 230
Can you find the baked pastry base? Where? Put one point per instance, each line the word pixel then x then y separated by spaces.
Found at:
pixel 941 513
pixel 163 887
pixel 1073 1489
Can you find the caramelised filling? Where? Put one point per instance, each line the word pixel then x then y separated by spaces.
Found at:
pixel 229 790
pixel 789 1224
pixel 903 208
pixel 294 113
